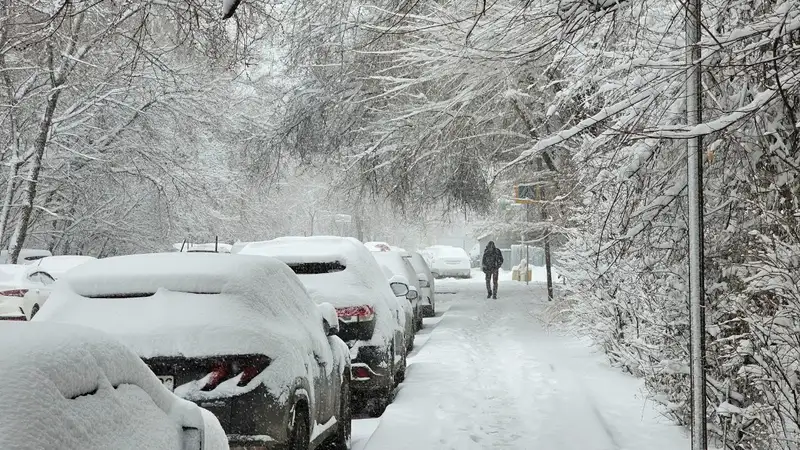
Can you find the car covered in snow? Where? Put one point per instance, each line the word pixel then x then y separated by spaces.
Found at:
pixel 427 284
pixel 236 334
pixel 395 265
pixel 24 289
pixel 73 388
pixel 340 271
pixel 447 261
pixel 57 266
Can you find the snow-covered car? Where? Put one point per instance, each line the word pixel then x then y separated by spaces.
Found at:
pixel 397 265
pixel 424 276
pixel 446 261
pixel 26 255
pixel 73 388
pixel 57 266
pixel 24 289
pixel 427 284
pixel 236 334
pixel 340 271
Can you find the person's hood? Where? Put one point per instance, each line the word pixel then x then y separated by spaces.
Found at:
pixel 490 245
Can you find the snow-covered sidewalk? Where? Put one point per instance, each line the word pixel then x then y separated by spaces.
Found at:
pixel 490 375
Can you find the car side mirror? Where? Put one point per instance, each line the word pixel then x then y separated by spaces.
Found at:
pixel 412 294
pixel 399 289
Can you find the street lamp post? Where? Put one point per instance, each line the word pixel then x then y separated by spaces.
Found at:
pixel 694 145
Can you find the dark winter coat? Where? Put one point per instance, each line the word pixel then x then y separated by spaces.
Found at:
pixel 492 258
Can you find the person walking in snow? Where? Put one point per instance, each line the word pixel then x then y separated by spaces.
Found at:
pixel 492 261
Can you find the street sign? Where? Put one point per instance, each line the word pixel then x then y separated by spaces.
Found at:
pixel 528 193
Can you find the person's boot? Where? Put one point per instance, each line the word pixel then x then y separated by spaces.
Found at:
pixel 494 296
pixel 489 295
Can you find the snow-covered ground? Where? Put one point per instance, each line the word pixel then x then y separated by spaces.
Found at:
pixel 489 374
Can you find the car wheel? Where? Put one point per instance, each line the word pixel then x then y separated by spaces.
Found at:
pixel 385 396
pixel 299 434
pixel 341 441
pixel 400 376
pixel 383 402
pixel 34 310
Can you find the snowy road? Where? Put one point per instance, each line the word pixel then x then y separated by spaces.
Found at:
pixel 487 374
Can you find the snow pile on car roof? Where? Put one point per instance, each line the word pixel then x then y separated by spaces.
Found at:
pixel 360 283
pixel 70 387
pixel 196 305
pixel 199 273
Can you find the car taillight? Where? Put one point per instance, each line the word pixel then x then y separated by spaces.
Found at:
pixel 361 372
pixel 356 313
pixel 217 375
pixel 14 293
pixel 248 366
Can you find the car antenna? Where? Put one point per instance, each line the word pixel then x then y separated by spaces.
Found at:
pixel 182 245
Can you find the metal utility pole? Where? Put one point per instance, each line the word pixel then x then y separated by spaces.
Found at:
pixel 548 267
pixel 694 145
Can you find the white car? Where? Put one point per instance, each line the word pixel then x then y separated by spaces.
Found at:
pixel 395 265
pixel 57 266
pixel 236 334
pixel 73 388
pixel 427 284
pixel 24 289
pixel 446 261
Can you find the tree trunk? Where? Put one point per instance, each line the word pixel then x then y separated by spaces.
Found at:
pixel 8 198
pixel 39 145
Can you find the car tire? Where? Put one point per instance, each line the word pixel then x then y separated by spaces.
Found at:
pixel 34 310
pixel 341 440
pixel 400 376
pixel 382 402
pixel 385 396
pixel 299 433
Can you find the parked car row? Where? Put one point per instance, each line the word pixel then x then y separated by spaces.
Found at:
pixel 270 346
